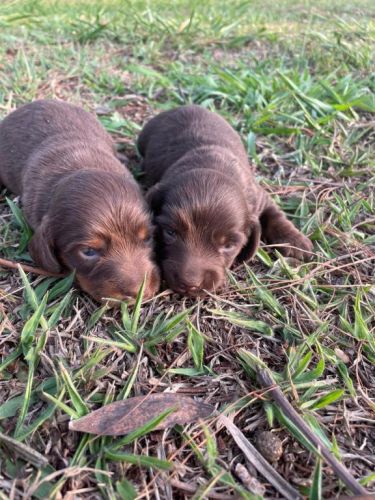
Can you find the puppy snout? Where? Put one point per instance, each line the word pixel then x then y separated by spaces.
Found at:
pixel 189 288
pixel 128 292
pixel 131 287
pixel 194 282
pixel 212 279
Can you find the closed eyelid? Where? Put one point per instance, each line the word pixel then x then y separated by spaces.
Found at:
pixel 163 221
pixel 176 220
pixel 167 225
pixel 97 244
pixel 226 239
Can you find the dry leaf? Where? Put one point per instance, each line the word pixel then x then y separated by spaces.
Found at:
pixel 123 417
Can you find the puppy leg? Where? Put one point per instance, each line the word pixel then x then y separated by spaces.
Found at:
pixel 278 230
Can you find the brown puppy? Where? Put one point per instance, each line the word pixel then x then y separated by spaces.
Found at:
pixel 86 209
pixel 207 205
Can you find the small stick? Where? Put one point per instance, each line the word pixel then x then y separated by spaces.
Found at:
pixel 10 264
pixel 266 381
pixel 369 496
pixel 24 451
pixel 191 488
pixel 258 461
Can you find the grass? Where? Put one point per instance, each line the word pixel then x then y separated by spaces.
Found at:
pixel 296 79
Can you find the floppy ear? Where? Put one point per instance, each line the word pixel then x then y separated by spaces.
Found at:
pixel 41 248
pixel 249 250
pixel 155 198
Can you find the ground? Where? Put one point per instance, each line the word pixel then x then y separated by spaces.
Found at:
pixel 296 79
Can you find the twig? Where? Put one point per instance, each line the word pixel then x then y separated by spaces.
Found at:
pixel 191 488
pixel 357 497
pixel 10 264
pixel 266 381
pixel 66 473
pixel 24 451
pixel 258 461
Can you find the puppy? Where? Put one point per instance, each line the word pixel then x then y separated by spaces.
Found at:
pixel 85 208
pixel 208 208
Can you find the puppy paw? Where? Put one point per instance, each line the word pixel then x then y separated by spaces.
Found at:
pixel 295 244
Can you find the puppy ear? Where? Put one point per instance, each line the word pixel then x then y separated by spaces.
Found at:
pixel 249 250
pixel 41 248
pixel 155 198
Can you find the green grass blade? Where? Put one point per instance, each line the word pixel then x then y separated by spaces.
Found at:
pixel 145 429
pixel 126 490
pixel 78 403
pixel 140 460
pixel 9 359
pixel 137 308
pixel 121 345
pixel 31 325
pixel 62 406
pixel 242 320
pixel 26 400
pixel 196 345
pixel 57 313
pixel 316 485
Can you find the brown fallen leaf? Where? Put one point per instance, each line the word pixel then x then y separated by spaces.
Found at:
pixel 123 417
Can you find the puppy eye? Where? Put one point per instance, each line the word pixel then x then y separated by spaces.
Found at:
pixel 170 232
pixel 145 234
pixel 228 246
pixel 147 239
pixel 89 252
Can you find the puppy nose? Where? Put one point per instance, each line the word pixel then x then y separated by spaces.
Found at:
pixel 211 280
pixel 130 292
pixel 131 285
pixel 189 287
pixel 192 289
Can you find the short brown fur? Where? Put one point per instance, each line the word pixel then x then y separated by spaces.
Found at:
pixel 78 198
pixel 208 208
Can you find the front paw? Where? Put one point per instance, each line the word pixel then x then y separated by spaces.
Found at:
pixel 294 244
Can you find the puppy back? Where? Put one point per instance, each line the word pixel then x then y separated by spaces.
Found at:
pixel 173 134
pixel 24 131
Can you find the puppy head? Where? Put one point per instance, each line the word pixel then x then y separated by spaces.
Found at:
pixel 99 226
pixel 203 224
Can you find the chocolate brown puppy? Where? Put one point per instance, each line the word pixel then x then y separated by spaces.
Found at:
pixel 208 208
pixel 85 208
